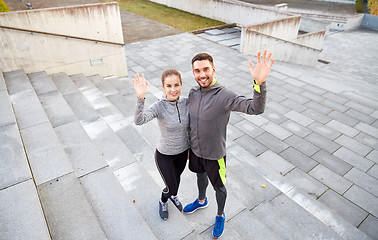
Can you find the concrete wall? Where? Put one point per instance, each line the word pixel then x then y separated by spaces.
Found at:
pixel 313 40
pixel 281 38
pixel 262 28
pixel 79 50
pixel 310 25
pixel 282 50
pixel 285 28
pixel 226 11
pixel 370 21
pixel 335 22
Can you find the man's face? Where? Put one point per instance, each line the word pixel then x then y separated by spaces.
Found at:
pixel 203 72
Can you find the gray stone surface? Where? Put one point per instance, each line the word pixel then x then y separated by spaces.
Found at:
pixel 45 153
pixel 354 159
pixel 322 142
pixel 272 142
pixel 353 145
pixel 14 164
pixel 299 118
pixel 28 109
pixel 363 180
pixel 113 207
pixel 363 199
pixel 373 131
pixel 306 182
pixel 2 81
pixel 111 147
pixel 64 83
pixel 296 128
pixel 330 179
pixel 249 128
pixel 302 145
pixel 21 213
pixel 341 127
pixel 276 162
pixel 333 163
pixel 139 185
pixel 276 130
pixel 84 155
pixel 369 226
pixel 17 81
pixel 258 230
pixel 57 109
pixel 42 83
pixel 324 130
pixel 298 159
pixel 266 213
pixel 67 210
pixel 81 107
pixel 7 115
pixel 346 209
pixel 312 226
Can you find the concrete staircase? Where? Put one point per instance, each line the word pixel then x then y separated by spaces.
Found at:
pixel 74 166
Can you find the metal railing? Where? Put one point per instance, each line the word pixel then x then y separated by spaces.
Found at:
pixel 61 35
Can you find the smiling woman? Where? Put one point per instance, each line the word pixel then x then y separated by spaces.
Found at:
pixel 178 19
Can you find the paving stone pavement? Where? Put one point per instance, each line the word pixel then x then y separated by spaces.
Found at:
pixel 319 130
pixel 320 127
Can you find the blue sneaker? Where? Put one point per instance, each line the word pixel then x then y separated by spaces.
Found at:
pixel 192 207
pixel 219 226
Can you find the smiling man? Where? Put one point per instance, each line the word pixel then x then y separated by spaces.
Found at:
pixel 210 105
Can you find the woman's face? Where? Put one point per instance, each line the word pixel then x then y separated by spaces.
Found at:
pixel 172 87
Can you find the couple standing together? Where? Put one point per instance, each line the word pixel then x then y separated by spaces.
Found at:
pixel 196 127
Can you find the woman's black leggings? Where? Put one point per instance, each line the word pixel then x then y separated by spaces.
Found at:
pixel 170 168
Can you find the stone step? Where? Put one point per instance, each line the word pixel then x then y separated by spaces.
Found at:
pixel 67 211
pixel 46 155
pixel 14 164
pixel 255 229
pixel 116 210
pixel 17 81
pixel 140 140
pixel 134 141
pixel 60 192
pixel 311 225
pixel 333 221
pixel 278 222
pixel 21 213
pixel 105 87
pixel 146 194
pixel 83 154
pixel 107 143
pixel 7 115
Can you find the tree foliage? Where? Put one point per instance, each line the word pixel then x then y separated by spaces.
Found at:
pixel 373 7
pixel 3 7
pixel 359 6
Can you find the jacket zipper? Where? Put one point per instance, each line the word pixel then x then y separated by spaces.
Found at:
pixel 178 112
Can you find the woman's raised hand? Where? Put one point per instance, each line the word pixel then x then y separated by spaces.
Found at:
pixel 140 86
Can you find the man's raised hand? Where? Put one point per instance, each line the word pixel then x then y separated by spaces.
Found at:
pixel 262 69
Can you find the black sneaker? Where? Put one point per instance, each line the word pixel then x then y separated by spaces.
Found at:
pixel 163 210
pixel 176 202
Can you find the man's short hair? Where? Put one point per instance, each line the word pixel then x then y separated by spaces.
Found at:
pixel 203 56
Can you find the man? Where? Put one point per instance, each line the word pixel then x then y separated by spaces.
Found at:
pixel 210 105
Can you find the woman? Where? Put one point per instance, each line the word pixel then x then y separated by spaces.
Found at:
pixel 172 114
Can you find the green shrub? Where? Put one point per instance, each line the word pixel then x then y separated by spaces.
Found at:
pixel 359 6
pixel 3 7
